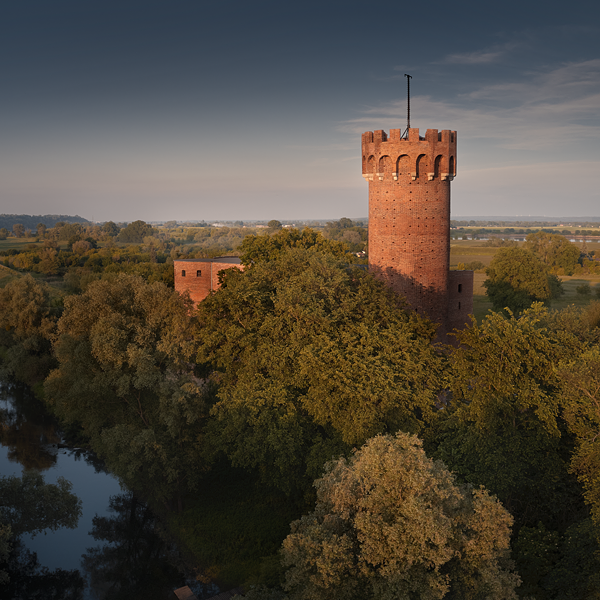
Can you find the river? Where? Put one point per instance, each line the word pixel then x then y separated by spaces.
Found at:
pixel 115 551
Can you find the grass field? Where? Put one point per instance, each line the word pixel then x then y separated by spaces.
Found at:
pixel 16 243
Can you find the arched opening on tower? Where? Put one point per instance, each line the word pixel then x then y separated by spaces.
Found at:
pixel 385 164
pixel 371 164
pixel 403 165
pixel 438 165
pixel 422 166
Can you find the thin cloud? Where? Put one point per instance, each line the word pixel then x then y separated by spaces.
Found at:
pixel 472 58
pixel 479 57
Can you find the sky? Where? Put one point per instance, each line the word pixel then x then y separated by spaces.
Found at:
pixel 249 110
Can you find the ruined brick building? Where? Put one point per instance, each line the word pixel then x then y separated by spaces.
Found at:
pixel 409 222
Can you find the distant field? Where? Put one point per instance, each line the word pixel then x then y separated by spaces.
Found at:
pixel 16 243
pixel 466 251
pixel 571 296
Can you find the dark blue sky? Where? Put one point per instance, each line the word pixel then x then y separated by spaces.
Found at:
pixel 253 110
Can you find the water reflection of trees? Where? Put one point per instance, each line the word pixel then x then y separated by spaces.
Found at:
pixel 29 505
pixel 133 562
pixel 31 435
pixel 28 579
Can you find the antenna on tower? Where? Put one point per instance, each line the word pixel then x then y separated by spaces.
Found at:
pixel 405 134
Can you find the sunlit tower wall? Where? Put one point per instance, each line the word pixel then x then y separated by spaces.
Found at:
pixel 409 221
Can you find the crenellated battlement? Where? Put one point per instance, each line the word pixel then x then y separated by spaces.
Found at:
pixel 386 156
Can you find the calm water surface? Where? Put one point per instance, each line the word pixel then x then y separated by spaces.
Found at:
pixel 115 551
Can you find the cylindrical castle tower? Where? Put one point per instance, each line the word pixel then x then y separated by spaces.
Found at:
pixel 409 216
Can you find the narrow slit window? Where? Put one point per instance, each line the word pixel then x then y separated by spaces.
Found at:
pixel 459 306
pixel 460 288
pixel 198 273
pixel 183 273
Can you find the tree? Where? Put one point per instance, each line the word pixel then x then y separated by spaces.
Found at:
pixel 554 251
pixel 135 232
pixel 392 523
pixel 3 233
pixel 111 229
pixel 41 229
pixel 517 279
pixel 123 348
pixel 260 248
pixel 273 224
pixel 503 427
pixel 580 392
pixel 311 357
pixel 27 321
pixel 19 230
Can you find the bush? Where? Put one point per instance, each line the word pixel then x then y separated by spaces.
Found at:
pixel 584 289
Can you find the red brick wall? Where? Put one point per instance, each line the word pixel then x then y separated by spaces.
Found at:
pixel 409 214
pixel 200 285
pixel 460 299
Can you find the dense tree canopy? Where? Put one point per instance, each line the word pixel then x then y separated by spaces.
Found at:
pixel 27 322
pixel 260 248
pixel 311 357
pixel 123 351
pixel 391 523
pixel 503 429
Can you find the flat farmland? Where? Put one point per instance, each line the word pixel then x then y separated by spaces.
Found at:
pixel 466 251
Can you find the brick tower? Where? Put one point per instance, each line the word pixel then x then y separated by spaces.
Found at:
pixel 409 222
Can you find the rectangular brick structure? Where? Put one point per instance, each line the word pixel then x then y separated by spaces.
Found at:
pixel 200 276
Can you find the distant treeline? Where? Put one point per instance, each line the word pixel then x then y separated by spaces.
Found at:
pixel 31 221
pixel 525 223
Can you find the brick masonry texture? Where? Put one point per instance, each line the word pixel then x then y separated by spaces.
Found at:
pixel 409 221
pixel 200 276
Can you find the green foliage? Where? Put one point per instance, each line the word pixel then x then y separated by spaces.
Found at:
pixel 135 232
pixel 261 248
pixel 584 289
pixel 311 357
pixel 111 228
pixel 235 527
pixel 504 429
pixel 273 224
pixel 391 523
pixel 517 279
pixel 123 349
pixel 27 322
pixel 557 566
pixel 30 506
pixel 554 251
pixel 580 393
pixel 19 230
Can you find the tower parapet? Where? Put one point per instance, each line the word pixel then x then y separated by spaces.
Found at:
pixel 409 216
pixel 381 154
